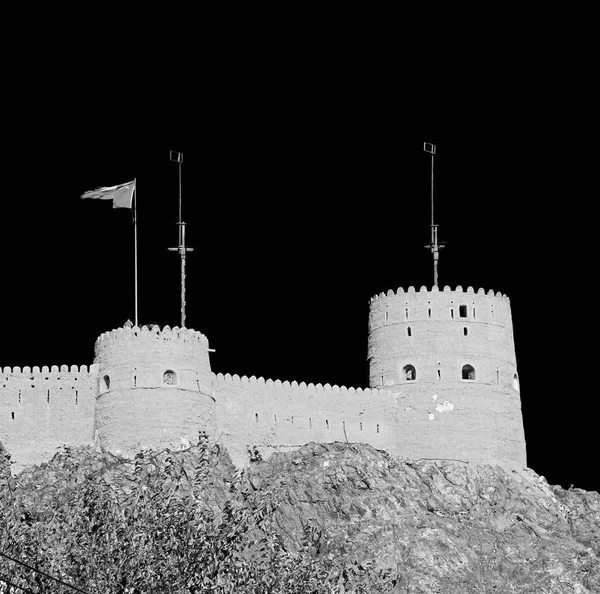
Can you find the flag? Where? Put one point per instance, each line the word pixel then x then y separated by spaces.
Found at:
pixel 121 195
pixel 175 156
pixel 429 148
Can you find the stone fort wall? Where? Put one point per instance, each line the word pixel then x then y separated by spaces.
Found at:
pixel 154 388
pixel 438 332
pixel 274 415
pixel 449 356
pixel 44 409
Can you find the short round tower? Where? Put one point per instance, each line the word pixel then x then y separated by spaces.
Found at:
pixel 154 388
pixel 450 358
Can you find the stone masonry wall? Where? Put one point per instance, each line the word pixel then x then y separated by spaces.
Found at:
pixel 43 409
pixel 278 415
pixel 418 344
pixel 154 388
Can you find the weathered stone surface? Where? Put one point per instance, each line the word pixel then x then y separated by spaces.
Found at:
pixel 438 526
pixel 446 526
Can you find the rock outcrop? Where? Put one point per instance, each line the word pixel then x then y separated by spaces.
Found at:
pixel 433 526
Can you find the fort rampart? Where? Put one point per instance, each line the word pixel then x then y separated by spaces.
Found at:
pixel 443 379
pixel 43 409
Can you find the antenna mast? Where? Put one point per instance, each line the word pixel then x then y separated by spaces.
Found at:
pixel 434 245
pixel 181 248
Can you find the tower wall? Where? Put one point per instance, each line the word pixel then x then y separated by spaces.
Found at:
pixel 154 388
pixel 419 343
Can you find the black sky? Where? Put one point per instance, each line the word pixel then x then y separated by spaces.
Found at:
pixel 302 202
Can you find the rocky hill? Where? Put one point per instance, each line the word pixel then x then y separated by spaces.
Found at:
pixel 326 518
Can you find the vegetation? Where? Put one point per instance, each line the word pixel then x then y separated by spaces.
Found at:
pixel 165 523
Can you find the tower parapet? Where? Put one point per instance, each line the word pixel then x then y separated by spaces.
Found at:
pixel 154 388
pixel 450 357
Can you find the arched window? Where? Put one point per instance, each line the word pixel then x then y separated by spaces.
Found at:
pixel 106 383
pixel 410 373
pixel 468 373
pixel 516 382
pixel 169 377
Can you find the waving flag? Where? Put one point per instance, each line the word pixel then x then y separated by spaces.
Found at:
pixel 121 195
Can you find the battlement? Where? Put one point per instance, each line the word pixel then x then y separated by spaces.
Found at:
pixel 435 289
pixel 50 371
pixel 405 307
pixel 335 389
pixel 154 333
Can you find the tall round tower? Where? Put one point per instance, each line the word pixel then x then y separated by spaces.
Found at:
pixel 154 388
pixel 450 358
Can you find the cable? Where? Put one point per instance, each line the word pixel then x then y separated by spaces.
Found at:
pixel 42 573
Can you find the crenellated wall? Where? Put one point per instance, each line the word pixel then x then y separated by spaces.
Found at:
pixel 274 414
pixel 154 388
pixel 43 409
pixel 438 332
pixel 450 357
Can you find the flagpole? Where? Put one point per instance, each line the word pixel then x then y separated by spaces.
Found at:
pixel 135 254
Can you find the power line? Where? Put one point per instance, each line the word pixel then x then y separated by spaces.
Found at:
pixel 42 573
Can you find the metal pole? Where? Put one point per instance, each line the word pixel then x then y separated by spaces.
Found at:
pixel 135 249
pixel 432 155
pixel 182 252
pixel 181 248
pixel 182 230
pixel 434 246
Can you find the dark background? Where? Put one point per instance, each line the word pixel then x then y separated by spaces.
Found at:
pixel 306 195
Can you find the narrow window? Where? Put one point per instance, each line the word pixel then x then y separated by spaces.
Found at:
pixel 473 313
pixel 465 331
pixel 360 426
pixel 468 373
pixel 406 313
pixel 309 423
pixel 516 382
pixel 408 331
pixel 275 418
pixel 439 374
pixel 429 313
pixel 387 315
pixel 327 423
pixel 410 373
pixel 12 415
pixel 497 376
pixel 106 380
pixel 135 381
pixel 452 312
pixel 377 427
pixel 169 377
pixel 256 417
pixel 48 396
pixel 19 396
pixel 462 311
pixel 382 380
pixel 76 397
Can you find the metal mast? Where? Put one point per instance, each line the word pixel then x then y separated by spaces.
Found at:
pixel 181 248
pixel 434 245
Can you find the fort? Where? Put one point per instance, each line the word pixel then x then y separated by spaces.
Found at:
pixel 443 384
